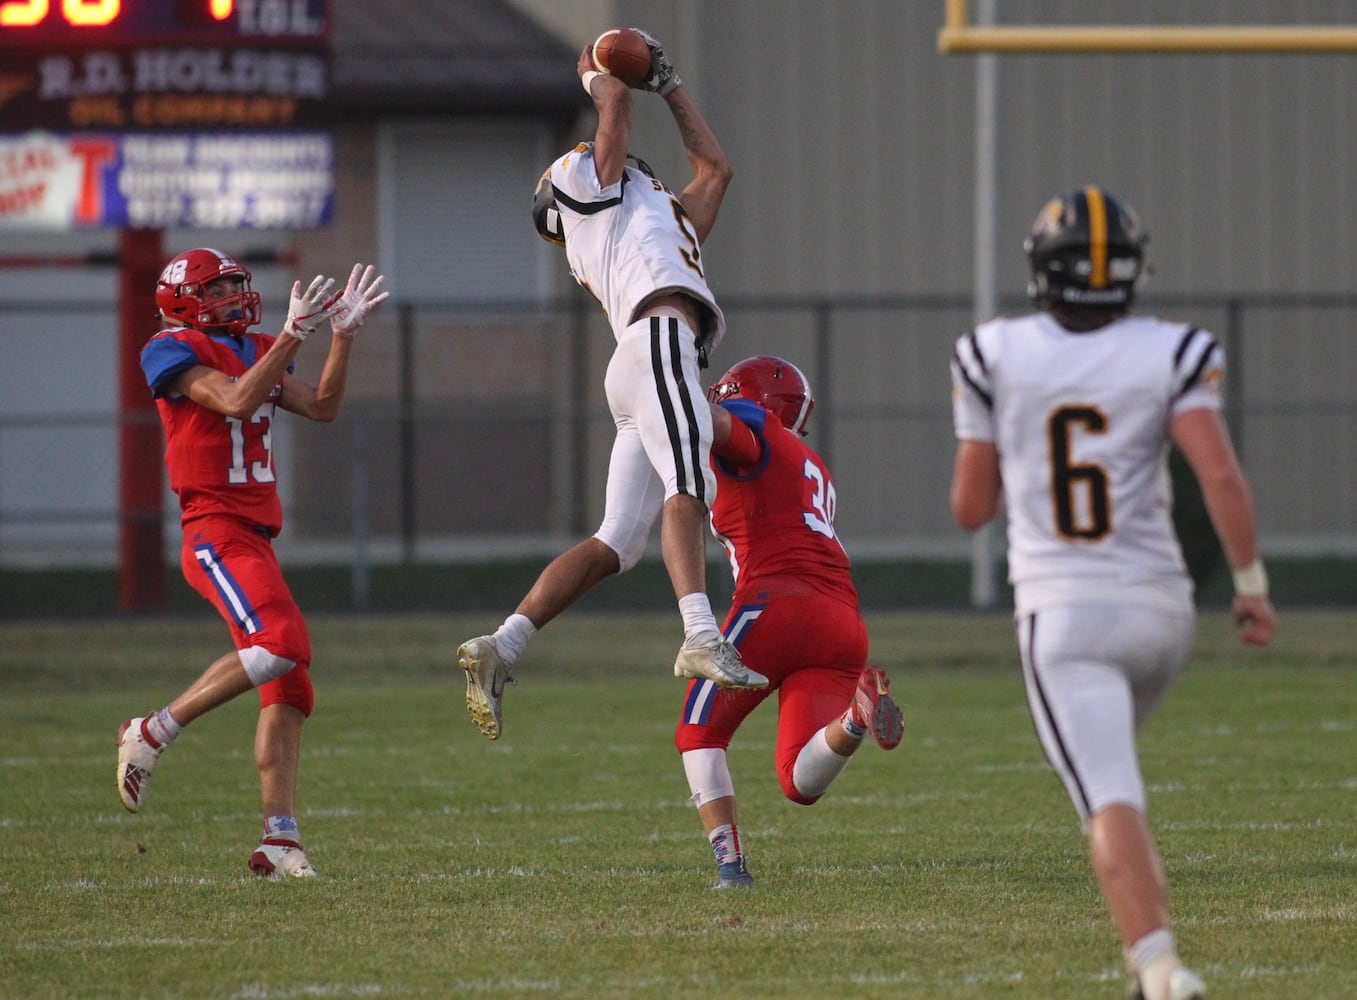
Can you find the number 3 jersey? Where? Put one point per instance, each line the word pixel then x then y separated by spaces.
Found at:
pixel 629 241
pixel 1080 421
pixel 776 516
pixel 218 465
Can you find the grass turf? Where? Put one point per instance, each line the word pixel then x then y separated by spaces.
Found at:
pixel 564 860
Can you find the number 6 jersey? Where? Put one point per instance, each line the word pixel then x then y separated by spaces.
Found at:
pixel 217 464
pixel 1080 421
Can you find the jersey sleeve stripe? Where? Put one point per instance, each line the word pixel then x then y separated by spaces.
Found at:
pixel 962 369
pixel 1208 352
pixel 1182 345
pixel 588 207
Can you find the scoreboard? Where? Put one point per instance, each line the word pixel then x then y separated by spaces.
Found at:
pixel 161 113
pixel 26 24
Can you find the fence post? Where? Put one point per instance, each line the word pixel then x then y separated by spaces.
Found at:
pixel 406 447
pixel 361 572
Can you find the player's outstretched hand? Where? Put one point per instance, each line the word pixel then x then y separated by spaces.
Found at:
pixel 359 298
pixel 309 307
pixel 662 77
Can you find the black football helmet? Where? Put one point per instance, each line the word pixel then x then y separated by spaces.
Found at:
pixel 1086 250
pixel 545 216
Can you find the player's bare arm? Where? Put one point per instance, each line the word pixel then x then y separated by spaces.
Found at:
pixel 238 397
pixel 712 172
pixel 1204 442
pixel 977 488
pixel 612 101
pixel 321 402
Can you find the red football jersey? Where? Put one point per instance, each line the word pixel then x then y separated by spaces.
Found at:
pixel 217 464
pixel 776 517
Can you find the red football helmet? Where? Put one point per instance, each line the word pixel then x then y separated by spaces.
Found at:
pixel 181 295
pixel 776 385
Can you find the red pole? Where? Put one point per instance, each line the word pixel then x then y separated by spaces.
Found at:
pixel 141 478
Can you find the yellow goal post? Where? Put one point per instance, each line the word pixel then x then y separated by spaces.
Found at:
pixel 958 35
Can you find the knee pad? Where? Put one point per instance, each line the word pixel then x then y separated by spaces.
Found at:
pixel 262 666
pixel 708 775
pixel 629 550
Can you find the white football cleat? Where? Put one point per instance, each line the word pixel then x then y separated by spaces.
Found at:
pixel 717 661
pixel 1185 984
pixel 486 675
pixel 280 859
pixel 136 763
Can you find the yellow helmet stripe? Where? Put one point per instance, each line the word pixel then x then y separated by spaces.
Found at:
pixel 1097 236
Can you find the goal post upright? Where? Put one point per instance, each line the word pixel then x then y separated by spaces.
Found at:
pixel 958 35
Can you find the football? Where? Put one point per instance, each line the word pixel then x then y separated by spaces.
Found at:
pixel 623 53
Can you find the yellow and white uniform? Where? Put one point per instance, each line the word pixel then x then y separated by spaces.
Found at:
pixel 1104 603
pixel 627 244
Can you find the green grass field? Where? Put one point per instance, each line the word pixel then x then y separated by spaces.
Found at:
pixel 564 860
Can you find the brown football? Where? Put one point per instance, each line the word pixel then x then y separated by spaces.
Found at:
pixel 623 53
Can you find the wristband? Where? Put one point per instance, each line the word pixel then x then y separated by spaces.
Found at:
pixel 295 329
pixel 1251 581
pixel 587 78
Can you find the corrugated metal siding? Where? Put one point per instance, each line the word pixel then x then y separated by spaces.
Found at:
pixel 853 142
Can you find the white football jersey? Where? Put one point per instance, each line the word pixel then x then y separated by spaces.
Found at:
pixel 1080 421
pixel 629 241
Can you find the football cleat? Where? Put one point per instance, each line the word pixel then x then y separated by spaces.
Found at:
pixel 278 859
pixel 136 763
pixel 717 661
pixel 734 875
pixel 877 710
pixel 486 675
pixel 1184 984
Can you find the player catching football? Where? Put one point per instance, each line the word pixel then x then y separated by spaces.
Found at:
pixel 794 614
pixel 217 386
pixel 636 247
pixel 1064 418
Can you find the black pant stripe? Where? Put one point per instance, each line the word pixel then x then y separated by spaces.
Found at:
pixel 666 404
pixel 1065 764
pixel 686 398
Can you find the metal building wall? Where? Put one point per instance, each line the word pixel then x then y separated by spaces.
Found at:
pixel 853 141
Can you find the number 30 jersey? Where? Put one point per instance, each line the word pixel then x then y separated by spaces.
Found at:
pixel 775 518
pixel 1080 421
pixel 217 464
pixel 629 241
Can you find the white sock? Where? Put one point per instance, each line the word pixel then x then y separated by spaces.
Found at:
pixel 817 766
pixel 699 624
pixel 282 828
pixel 512 637
pixel 1155 958
pixel 161 727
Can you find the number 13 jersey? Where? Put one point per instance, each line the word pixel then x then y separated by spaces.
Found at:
pixel 217 464
pixel 1080 421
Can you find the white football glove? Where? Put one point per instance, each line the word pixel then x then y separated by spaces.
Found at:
pixel 358 299
pixel 309 307
pixel 662 77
